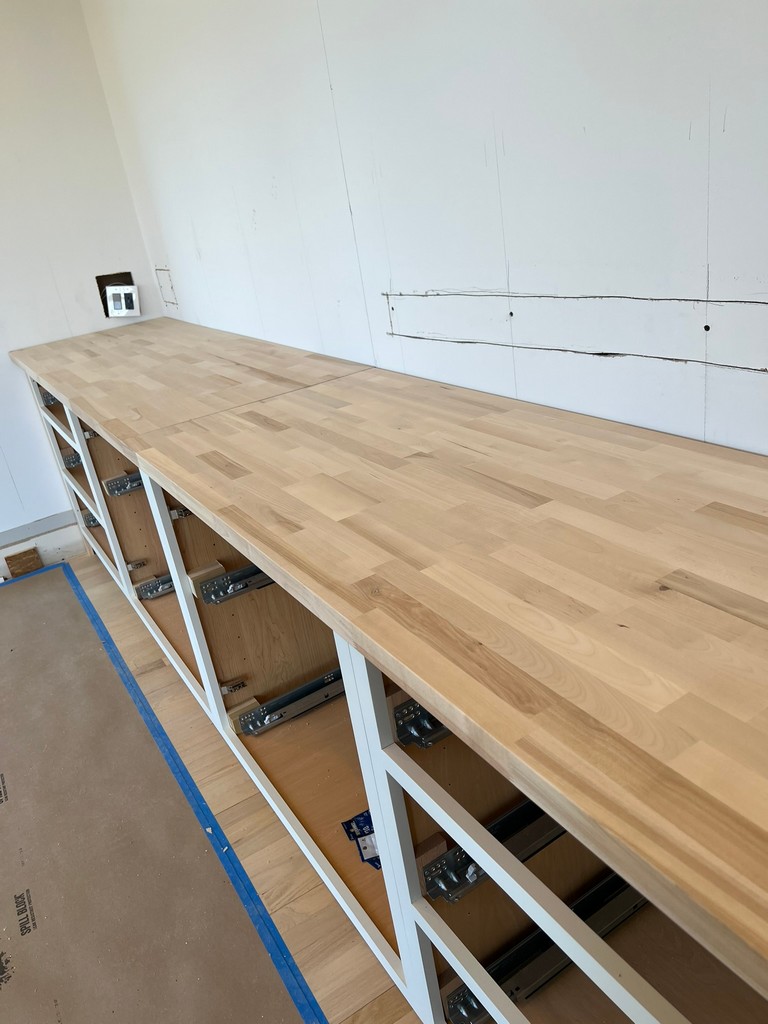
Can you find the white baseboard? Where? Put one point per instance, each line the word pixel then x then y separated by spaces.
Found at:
pixel 53 546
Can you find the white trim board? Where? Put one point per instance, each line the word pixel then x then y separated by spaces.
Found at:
pixel 37 529
pixel 57 545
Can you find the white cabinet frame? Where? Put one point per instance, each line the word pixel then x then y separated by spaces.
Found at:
pixel 388 774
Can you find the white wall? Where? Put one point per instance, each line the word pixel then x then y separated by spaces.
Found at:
pixel 66 215
pixel 598 170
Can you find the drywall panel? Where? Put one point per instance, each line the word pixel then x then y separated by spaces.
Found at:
pixel 552 156
pixel 738 228
pixel 581 324
pixel 226 122
pixel 737 410
pixel 619 388
pixel 66 214
pixel 29 477
pixel 325 173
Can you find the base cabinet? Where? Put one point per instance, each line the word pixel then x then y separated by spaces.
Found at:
pixel 483 908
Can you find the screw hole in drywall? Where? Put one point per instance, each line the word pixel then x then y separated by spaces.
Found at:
pixel 706 327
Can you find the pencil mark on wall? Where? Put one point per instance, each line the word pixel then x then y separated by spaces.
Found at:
pixel 305 261
pixel 346 182
pixel 709 189
pixel 249 262
pixel 482 293
pixel 58 293
pixel 504 244
pixel 706 304
pixel 579 352
pixel 422 332
pixel 165 284
pixel 12 478
pixel 196 241
pixel 377 175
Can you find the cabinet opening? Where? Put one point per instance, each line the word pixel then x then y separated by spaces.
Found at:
pixel 72 462
pixel 262 642
pixel 140 546
pixel 266 647
pixel 95 529
pixel 53 406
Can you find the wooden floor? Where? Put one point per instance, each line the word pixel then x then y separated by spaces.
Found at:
pixel 348 982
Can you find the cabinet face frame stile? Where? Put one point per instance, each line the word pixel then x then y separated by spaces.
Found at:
pixel 389 775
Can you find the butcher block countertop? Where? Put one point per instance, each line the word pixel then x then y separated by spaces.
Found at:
pixel 584 602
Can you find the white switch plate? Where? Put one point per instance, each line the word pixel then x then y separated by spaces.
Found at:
pixel 122 300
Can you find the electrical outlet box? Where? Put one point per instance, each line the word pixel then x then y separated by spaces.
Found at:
pixel 122 300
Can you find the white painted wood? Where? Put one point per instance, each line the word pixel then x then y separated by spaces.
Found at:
pixel 372 728
pixel 185 594
pixel 467 967
pixel 54 448
pixel 100 501
pixel 342 894
pixel 39 528
pixel 57 425
pixel 101 556
pixel 171 654
pixel 73 486
pixel 58 545
pixel 620 982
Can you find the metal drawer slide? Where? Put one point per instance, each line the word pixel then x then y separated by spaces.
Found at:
pixel 525 831
pixel 252 719
pixel 233 584
pixel 536 960
pixel 157 586
pixel 123 484
pixel 414 724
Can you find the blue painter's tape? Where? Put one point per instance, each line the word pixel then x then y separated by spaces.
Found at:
pixel 286 966
pixel 35 572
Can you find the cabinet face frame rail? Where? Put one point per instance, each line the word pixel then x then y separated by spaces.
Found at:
pixel 388 774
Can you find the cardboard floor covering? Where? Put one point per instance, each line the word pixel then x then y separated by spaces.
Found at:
pixel 113 905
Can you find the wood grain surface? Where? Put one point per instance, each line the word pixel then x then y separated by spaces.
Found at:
pixel 151 374
pixel 584 602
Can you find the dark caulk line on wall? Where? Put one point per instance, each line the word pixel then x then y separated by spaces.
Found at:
pixel 582 352
pixel 479 293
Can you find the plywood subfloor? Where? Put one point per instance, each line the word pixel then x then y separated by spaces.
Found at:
pixel 348 982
